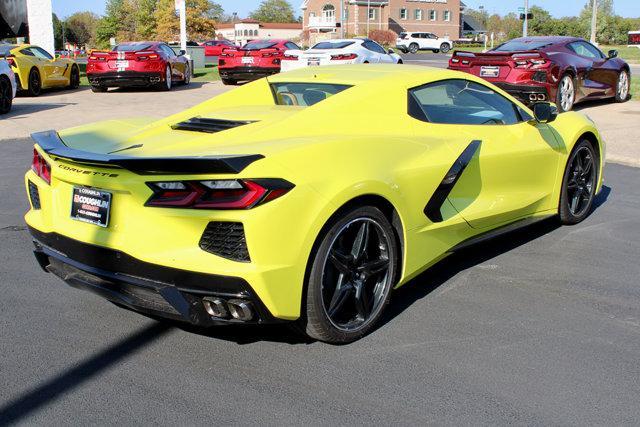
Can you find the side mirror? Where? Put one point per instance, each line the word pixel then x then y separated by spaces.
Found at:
pixel 182 52
pixel 391 51
pixel 545 112
pixel 613 54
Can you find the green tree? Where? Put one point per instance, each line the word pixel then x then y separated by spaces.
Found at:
pixel 80 28
pixel 57 32
pixel 146 19
pixel 274 11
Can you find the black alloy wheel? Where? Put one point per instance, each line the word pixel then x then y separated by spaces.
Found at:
pixel 35 84
pixel 74 78
pixel 98 89
pixel 351 277
pixel 579 184
pixel 6 95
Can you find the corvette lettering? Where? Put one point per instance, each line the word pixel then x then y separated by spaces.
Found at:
pixel 87 172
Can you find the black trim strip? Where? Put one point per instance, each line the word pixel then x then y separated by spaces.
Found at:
pixel 199 124
pixel 53 145
pixel 434 205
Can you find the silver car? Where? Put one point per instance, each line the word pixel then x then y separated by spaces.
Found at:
pixel 7 86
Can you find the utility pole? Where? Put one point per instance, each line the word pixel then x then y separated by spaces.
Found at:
pixel 368 12
pixel 341 19
pixel 594 20
pixel 525 25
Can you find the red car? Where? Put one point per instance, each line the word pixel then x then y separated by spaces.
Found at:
pixel 564 70
pixel 144 64
pixel 215 47
pixel 256 59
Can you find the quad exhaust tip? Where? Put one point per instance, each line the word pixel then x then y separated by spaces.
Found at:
pixel 235 308
pixel 537 97
pixel 155 79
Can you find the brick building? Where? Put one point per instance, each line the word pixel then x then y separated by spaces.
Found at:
pixel 241 32
pixel 336 18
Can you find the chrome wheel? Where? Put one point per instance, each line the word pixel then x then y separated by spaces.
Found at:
pixel 567 93
pixel 167 77
pixel 356 277
pixel 623 86
pixel 581 181
pixel 413 48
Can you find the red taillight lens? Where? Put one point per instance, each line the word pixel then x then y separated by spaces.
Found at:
pixel 143 56
pixel 11 61
pixel 217 194
pixel 40 166
pixel 290 58
pixel 344 57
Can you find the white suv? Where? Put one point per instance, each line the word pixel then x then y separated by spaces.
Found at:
pixel 413 42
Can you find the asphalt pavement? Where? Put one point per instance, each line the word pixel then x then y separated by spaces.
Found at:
pixel 540 327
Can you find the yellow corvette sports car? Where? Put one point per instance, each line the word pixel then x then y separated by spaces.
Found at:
pixel 36 69
pixel 303 197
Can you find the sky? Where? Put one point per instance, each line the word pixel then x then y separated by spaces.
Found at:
pixel 558 8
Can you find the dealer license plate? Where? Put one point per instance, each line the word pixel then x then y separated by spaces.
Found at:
pixel 489 71
pixel 90 205
pixel 313 62
pixel 122 64
pixel 247 60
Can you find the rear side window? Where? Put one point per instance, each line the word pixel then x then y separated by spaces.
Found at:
pixel 586 49
pixel 304 94
pixel 332 45
pixel 461 102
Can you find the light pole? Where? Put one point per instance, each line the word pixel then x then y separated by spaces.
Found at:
pixel 368 14
pixel 525 25
pixel 594 20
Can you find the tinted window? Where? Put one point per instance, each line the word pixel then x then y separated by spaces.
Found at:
pixel 586 49
pixel 332 45
pixel 431 36
pixel 6 48
pixel 259 44
pixel 290 45
pixel 40 53
pixel 304 94
pixel 463 102
pixel 131 47
pixel 373 46
pixel 516 45
pixel 29 53
pixel 168 50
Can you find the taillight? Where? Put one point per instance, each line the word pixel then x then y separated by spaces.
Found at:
pixel 290 58
pixel 11 61
pixel 533 63
pixel 344 57
pixel 216 194
pixel 454 60
pixel 40 166
pixel 269 54
pixel 97 58
pixel 143 56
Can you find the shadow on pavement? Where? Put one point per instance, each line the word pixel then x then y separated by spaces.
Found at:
pixel 22 111
pixel 70 379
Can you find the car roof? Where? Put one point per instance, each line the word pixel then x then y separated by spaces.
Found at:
pixel 550 39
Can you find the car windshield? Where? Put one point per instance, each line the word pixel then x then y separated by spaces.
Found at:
pixel 517 45
pixel 257 45
pixel 6 48
pixel 332 45
pixel 304 94
pixel 134 47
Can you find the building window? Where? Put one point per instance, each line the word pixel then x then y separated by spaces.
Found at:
pixel 433 15
pixel 403 13
pixel 372 14
pixel 447 15
pixel 417 14
pixel 329 12
pixel 246 33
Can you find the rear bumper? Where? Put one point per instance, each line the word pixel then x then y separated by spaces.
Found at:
pixel 247 73
pixel 148 288
pixel 125 79
pixel 526 93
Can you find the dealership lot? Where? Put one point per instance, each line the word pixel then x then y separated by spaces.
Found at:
pixel 541 326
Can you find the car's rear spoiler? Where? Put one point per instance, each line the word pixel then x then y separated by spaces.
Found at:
pixel 51 143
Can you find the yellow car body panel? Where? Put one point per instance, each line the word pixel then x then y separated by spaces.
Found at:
pixel 54 72
pixel 358 143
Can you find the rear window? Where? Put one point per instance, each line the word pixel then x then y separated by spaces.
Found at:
pixel 259 44
pixel 516 45
pixel 332 45
pixel 5 49
pixel 304 94
pixel 134 47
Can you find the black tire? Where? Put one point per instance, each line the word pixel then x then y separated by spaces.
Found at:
pixel 444 47
pixel 435 50
pixel 568 105
pixel 187 76
pixel 74 77
pixel 623 84
pixel 98 89
pixel 355 299
pixel 166 84
pixel 400 61
pixel 6 95
pixel 229 82
pixel 579 183
pixel 35 83
pixel 414 48
pixel 404 50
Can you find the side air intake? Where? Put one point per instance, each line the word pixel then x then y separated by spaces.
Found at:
pixel 199 124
